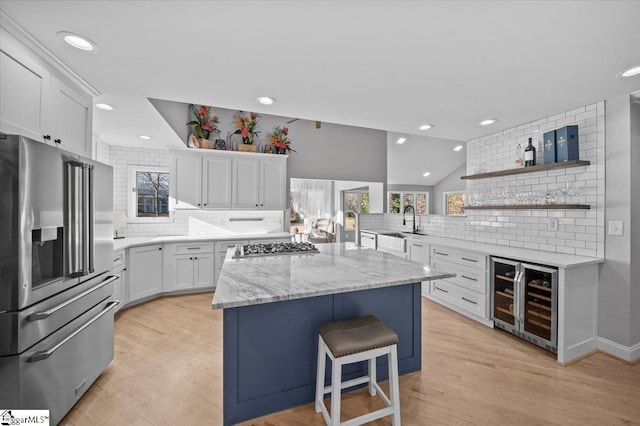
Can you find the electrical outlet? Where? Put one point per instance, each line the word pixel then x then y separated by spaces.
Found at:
pixel 552 225
pixel 616 227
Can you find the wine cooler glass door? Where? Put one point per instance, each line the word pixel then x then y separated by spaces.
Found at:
pixel 539 315
pixel 504 293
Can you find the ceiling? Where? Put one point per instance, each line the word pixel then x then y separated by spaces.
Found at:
pixel 384 65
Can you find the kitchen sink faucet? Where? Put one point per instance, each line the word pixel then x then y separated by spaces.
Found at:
pixel 414 229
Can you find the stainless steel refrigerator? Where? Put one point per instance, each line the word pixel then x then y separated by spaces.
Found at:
pixel 56 247
pixel 524 300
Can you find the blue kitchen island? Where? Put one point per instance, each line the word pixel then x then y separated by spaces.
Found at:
pixel 274 305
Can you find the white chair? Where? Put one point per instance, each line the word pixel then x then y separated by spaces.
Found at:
pixel 355 340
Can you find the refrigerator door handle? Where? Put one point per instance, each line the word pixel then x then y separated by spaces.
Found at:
pixel 74 218
pixel 85 219
pixel 90 214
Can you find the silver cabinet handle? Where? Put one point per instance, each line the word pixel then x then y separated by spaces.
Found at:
pixel 441 289
pixel 37 316
pixel 440 253
pixel 416 245
pixel 41 355
pixel 470 260
pixel 194 248
pixel 470 301
pixel 469 278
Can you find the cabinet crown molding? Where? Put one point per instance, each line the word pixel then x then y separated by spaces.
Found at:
pixel 38 48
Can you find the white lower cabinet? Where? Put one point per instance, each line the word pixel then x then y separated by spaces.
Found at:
pixel 145 271
pixel 465 293
pixel 221 253
pixel 188 266
pixel 418 251
pixel 120 292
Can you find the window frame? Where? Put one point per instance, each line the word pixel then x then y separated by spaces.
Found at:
pixel 445 203
pixel 344 205
pixel 402 194
pixel 132 199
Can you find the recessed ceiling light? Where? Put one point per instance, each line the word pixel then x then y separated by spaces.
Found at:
pixel 426 174
pixel 458 148
pixel 105 107
pixel 78 41
pixel 265 100
pixel 426 126
pixel 631 72
pixel 487 121
pixel 145 137
pixel 401 140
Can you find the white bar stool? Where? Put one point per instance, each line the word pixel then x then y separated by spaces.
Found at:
pixel 355 340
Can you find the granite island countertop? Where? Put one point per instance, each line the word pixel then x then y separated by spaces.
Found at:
pixel 337 268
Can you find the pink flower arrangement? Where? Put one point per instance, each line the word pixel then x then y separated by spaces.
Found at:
pixel 203 121
pixel 280 138
pixel 246 125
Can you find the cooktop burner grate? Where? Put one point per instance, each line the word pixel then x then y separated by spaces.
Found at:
pixel 273 249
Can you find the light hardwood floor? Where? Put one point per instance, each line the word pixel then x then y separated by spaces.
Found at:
pixel 168 370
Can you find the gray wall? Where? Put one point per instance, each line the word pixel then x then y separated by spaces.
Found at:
pixel 416 188
pixel 614 306
pixel 450 183
pixel 635 222
pixel 332 152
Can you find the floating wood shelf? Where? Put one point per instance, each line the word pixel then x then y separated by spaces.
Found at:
pixel 532 169
pixel 531 207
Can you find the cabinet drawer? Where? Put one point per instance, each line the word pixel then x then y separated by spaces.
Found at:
pixel 473 260
pixel 473 279
pixel 118 258
pixel 461 297
pixel 192 248
pixel 368 240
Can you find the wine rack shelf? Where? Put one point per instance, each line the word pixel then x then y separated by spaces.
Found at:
pixel 531 207
pixel 532 169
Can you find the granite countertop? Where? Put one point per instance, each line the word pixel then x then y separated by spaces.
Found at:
pixel 337 268
pixel 559 260
pixel 124 243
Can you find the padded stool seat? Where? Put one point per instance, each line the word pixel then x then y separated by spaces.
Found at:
pixel 355 340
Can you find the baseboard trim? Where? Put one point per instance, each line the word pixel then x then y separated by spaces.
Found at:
pixel 628 354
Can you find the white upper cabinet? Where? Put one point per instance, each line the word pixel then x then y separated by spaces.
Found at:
pixel 186 181
pixel 72 117
pixel 216 183
pixel 246 190
pixel 209 179
pixel 24 87
pixel 273 178
pixel 34 101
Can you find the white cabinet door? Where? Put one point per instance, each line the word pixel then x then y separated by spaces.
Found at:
pixel 145 271
pixel 273 176
pixel 25 86
pixel 182 272
pixel 203 271
pixel 216 183
pixel 72 114
pixel 186 174
pixel 245 188
pixel 419 252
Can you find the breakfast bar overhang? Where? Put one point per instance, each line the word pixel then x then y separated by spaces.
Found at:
pixel 274 305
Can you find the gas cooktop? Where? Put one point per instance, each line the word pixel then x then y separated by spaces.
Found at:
pixel 273 249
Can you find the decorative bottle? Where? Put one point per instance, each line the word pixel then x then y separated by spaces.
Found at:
pixel 530 154
pixel 519 160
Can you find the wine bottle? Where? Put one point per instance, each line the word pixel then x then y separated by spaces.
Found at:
pixel 519 162
pixel 530 154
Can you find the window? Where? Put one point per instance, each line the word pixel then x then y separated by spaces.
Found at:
pixel 354 202
pixel 149 196
pixel 454 203
pixel 397 201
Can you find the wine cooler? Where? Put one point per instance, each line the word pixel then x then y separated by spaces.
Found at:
pixel 524 301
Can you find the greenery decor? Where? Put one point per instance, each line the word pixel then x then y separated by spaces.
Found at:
pixel 246 126
pixel 280 138
pixel 203 121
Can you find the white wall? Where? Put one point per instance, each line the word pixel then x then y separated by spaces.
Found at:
pixel 635 222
